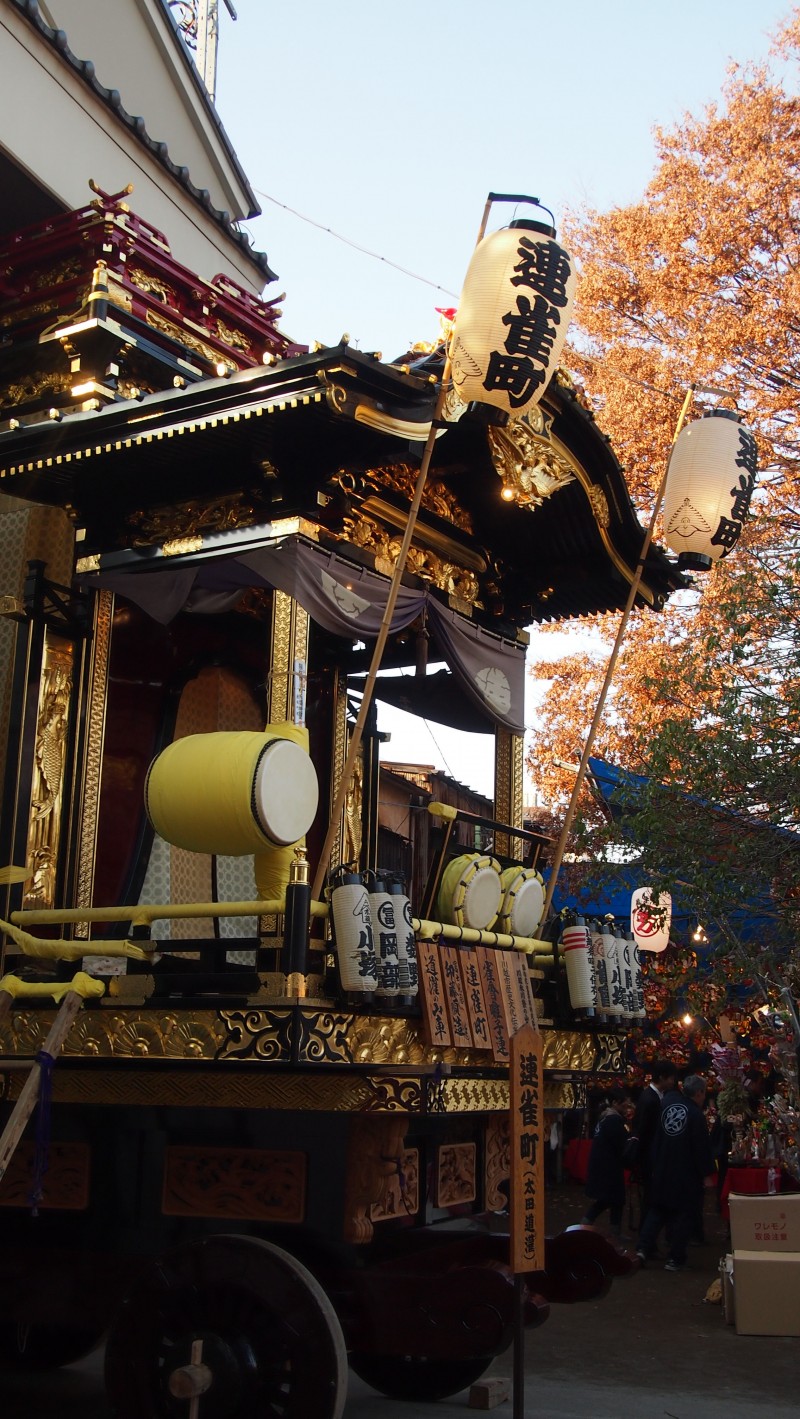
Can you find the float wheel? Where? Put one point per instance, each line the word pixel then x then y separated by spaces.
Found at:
pixel 234 1320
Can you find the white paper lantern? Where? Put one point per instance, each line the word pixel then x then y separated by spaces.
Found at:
pixel 651 918
pixel 512 318
pixel 712 473
pixel 577 951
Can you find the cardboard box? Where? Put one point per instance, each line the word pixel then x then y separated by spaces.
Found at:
pixel 726 1276
pixel 765 1223
pixel 767 1292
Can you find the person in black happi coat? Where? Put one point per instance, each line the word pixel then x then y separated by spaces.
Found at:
pixel 683 1161
pixel 605 1177
pixel 663 1078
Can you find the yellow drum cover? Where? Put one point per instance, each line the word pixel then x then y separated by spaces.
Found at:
pixel 233 793
pixel 470 891
pixel 523 900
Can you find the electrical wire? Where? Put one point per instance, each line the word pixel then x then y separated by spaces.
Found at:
pixel 365 251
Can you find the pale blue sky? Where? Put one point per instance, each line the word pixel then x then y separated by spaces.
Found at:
pixel 390 124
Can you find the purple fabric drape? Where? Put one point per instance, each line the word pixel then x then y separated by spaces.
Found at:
pixel 346 600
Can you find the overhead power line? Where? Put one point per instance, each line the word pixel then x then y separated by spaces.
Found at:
pixel 365 251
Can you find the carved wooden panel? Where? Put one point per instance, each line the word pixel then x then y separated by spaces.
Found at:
pixel 65 1185
pixel 400 1196
pixel 251 1184
pixel 455 1174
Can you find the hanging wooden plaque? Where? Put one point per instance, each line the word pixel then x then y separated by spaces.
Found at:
pixel 435 1022
pixel 519 965
pixel 460 1031
pixel 527 1138
pixel 510 991
pixel 495 1013
pixel 476 1003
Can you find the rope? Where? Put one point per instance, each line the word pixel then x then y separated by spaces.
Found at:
pixel 41 1161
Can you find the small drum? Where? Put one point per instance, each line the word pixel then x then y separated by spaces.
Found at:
pixel 523 901
pixel 470 891
pixel 233 793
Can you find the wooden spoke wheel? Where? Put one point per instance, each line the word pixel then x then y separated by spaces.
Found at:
pixel 272 1346
pixel 414 1377
pixel 44 1347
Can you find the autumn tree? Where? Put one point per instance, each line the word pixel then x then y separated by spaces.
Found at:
pixel 699 284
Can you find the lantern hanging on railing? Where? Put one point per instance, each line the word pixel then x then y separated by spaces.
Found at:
pixel 512 318
pixel 711 476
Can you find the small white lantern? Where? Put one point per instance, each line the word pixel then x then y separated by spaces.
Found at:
pixel 712 472
pixel 512 318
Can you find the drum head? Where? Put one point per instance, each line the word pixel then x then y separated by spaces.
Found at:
pixel 285 792
pixel 523 901
pixel 470 892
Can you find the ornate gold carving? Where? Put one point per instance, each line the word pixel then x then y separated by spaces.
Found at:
pixel 462 1096
pixel 322 1038
pixel 67 270
pixel 235 339
pixel 338 757
pixel 190 520
pixel 455 1174
pixel 529 460
pixel 599 504
pixel 179 546
pixel 567 1051
pixel 253 1184
pixel 93 747
pixel 610 1057
pixel 497 1161
pixel 400 1196
pixel 88 564
pixel 564 1094
pixel 183 337
pixel 44 829
pixel 395 1094
pixel 140 1086
pixel 152 285
pixel 33 386
pixel 449 576
pixel 257 1034
pixel 374 1159
pixel 509 772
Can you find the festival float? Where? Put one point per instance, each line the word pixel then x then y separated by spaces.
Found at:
pixel 261 1102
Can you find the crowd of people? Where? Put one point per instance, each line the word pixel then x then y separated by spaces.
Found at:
pixel 663 1142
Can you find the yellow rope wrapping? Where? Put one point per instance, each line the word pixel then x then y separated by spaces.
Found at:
pixel 81 984
pixel 60 950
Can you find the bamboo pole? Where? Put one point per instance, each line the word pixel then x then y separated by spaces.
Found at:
pixel 29 1093
pixel 558 856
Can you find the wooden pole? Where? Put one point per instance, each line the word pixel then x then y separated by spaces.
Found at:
pixel 380 643
pixel 400 565
pixel 558 856
pixel 26 1103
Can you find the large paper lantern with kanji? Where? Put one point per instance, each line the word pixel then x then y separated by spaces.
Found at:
pixel 512 318
pixel 711 476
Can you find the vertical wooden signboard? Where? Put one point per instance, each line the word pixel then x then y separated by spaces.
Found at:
pixel 435 1024
pixel 510 991
pixel 495 1013
pixel 527 1151
pixel 476 1004
pixel 460 1030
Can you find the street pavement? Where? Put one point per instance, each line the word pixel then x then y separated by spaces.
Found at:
pixel 651 1349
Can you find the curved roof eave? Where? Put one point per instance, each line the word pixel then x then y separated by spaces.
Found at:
pixel 84 68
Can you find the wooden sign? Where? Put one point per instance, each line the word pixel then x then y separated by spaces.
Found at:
pixel 495 1013
pixel 510 991
pixel 527 1138
pixel 519 965
pixel 435 1023
pixel 460 1031
pixel 476 1004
